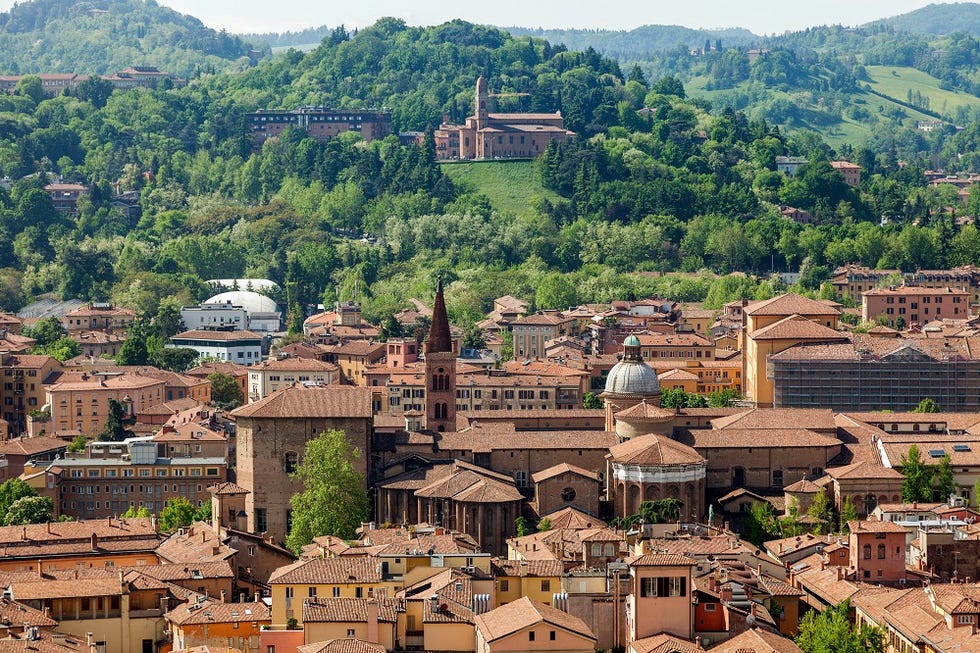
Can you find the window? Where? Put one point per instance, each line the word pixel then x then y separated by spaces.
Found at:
pixel 777 478
pixel 504 585
pixel 335 592
pixel 964 618
pixel 867 552
pixel 551 635
pixel 530 635
pixel 261 520
pixel 351 632
pixel 568 494
pixel 881 551
pixel 290 460
pixel 546 586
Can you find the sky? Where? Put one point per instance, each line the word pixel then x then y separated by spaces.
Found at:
pixel 759 16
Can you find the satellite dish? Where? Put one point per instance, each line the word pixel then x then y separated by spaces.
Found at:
pixel 750 621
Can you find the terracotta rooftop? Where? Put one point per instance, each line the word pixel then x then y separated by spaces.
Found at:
pixel 757 640
pixel 782 438
pixel 310 402
pixel 863 469
pixel 818 419
pixel 323 571
pixel 347 610
pixel 341 645
pixel 803 486
pixel 522 613
pixel 227 488
pixel 563 468
pixel 661 560
pixel 654 450
pixel 869 526
pixel 18 614
pixel 31 446
pixel 664 643
pixel 212 611
pixel 790 304
pixel 914 290
pixel 533 568
pixel 293 364
pixel 797 327
pixel 572 518
pixel 673 340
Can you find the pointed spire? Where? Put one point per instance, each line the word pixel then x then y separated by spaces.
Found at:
pixel 440 339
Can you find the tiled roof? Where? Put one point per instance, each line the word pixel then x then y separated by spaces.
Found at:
pixel 673 340
pixel 342 645
pixel 196 545
pixel 677 374
pixel 533 568
pixel 83 381
pixel 175 572
pixel 62 589
pixel 802 486
pixel 522 613
pixel 211 611
pixel 305 402
pixel 863 469
pixel 563 468
pixel 654 450
pixel 188 432
pixel 227 488
pixel 664 643
pixel 327 571
pixel 14 613
pixel 780 438
pixel 789 304
pixel 821 419
pixel 913 290
pixel 757 640
pixel 572 518
pixel 31 446
pixel 797 327
pixel 47 642
pixel 124 531
pixel 207 369
pixel 869 526
pixel 294 364
pixel 347 610
pixel 661 560
pixel 644 412
pixel 356 348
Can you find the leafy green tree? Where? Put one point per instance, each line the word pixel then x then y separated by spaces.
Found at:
pixel 333 501
pixel 927 405
pixel 225 390
pixel 820 507
pixel 136 512
pixel 662 511
pixel 521 526
pixel 917 485
pixel 178 512
pixel 831 631
pixel 946 483
pixel 134 351
pixel 761 523
pixel 29 510
pixel 77 444
pixel 848 513
pixel 175 359
pixel 544 525
pixel 11 491
pixel 556 291
pixel 46 331
pixel 62 349
pixel 723 398
pixel 591 400
pixel 116 423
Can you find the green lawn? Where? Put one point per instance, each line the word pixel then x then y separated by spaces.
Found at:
pixel 897 81
pixel 510 185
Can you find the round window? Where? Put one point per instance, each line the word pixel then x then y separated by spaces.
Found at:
pixel 568 494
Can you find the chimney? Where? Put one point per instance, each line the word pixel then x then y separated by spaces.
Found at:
pixel 523 568
pixel 372 622
pixel 697 643
pixel 712 583
pixel 258 595
pixel 223 596
pixel 95 541
pixel 726 593
pixel 23 532
pixel 780 548
pixel 39 572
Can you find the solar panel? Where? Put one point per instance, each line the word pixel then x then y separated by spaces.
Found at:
pixel 937 453
pixel 961 447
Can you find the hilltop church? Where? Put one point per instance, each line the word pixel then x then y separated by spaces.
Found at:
pixel 499 135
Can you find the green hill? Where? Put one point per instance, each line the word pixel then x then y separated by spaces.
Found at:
pixel 511 186
pixel 919 88
pixel 938 19
pixel 102 36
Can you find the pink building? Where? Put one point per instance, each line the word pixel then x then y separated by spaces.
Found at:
pixel 905 305
pixel 660 596
pixel 850 171
pixel 877 550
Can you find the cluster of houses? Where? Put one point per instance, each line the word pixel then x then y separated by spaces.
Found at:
pixel 464 459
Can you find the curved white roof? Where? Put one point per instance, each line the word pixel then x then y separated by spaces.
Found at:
pixel 628 377
pixel 252 302
pixel 245 284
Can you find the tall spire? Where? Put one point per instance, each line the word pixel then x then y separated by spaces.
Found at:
pixel 440 339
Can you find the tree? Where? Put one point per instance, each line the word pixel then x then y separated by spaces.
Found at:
pixel 723 398
pixel 136 512
pixel 62 349
pixel 520 526
pixel 917 485
pixel 29 510
pixel 820 506
pixel 11 491
pixel 662 511
pixel 944 478
pixel 134 350
pixel 848 513
pixel 544 525
pixel 78 444
pixel 46 331
pixel 178 512
pixel 927 405
pixel 591 400
pixel 333 501
pixel 831 631
pixel 115 424
pixel 225 390
pixel 761 523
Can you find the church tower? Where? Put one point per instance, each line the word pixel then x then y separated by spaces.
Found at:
pixel 440 370
pixel 482 103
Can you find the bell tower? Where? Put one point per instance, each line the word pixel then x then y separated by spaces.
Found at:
pixel 482 103
pixel 440 370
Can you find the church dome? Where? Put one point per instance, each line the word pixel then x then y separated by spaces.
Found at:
pixel 631 376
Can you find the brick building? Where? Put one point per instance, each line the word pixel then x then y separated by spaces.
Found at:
pixel 904 306
pixel 272 434
pixel 320 123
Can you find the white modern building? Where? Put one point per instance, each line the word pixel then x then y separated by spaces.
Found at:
pixel 236 309
pixel 242 347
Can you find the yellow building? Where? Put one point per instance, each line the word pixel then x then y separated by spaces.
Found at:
pixel 528 626
pixel 538 580
pixel 355 578
pixel 774 325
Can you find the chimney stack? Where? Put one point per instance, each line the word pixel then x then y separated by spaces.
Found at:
pixel 372 622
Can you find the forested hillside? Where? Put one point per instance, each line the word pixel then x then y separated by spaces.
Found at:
pixel 103 36
pixel 656 182
pixel 939 19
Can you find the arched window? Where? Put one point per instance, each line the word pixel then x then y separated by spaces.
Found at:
pixel 596 550
pixel 881 551
pixel 867 552
pixel 289 461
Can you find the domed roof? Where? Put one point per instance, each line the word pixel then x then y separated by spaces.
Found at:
pixel 644 412
pixel 631 341
pixel 631 376
pixel 252 302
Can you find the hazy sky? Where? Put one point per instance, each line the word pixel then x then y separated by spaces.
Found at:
pixel 760 16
